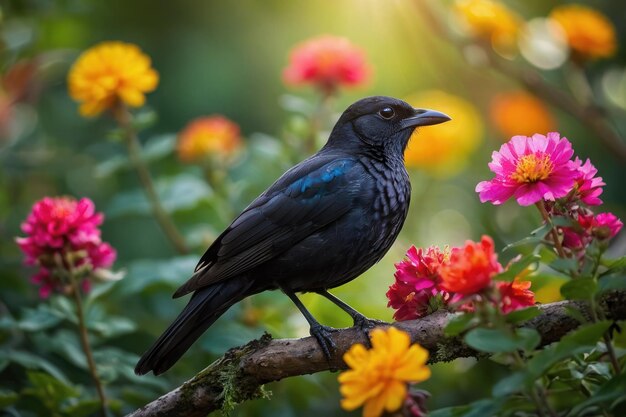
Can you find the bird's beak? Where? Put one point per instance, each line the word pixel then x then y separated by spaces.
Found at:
pixel 425 117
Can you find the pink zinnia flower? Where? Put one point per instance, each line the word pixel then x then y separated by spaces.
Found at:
pixel 515 295
pixel 530 169
pixel 588 186
pixel 57 227
pixel 327 62
pixel 471 267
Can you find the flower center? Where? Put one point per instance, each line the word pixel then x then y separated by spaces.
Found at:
pixel 62 209
pixel 532 168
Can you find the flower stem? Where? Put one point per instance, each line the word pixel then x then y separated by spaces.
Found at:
pixel 84 340
pixel 555 236
pixel 612 356
pixel 123 118
pixel 535 392
pixel 316 121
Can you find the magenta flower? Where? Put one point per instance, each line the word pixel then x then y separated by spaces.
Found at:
pixel 587 186
pixel 530 169
pixel 56 228
pixel 606 225
pixel 417 282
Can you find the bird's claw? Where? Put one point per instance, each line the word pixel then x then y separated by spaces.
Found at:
pixel 323 336
pixel 364 324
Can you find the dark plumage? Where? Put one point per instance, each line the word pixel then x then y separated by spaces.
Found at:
pixel 321 224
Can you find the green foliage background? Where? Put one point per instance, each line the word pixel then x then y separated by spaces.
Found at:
pixel 226 57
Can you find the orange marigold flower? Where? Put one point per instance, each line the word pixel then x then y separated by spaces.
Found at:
pixel 208 136
pixel 110 73
pixel 444 150
pixel 589 33
pixel 471 267
pixel 327 62
pixel 505 110
pixel 490 20
pixel 378 377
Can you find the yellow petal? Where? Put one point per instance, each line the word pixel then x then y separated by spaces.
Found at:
pixel 395 395
pixel 374 406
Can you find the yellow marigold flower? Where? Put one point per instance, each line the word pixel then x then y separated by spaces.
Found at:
pixel 444 149
pixel 506 108
pixel 589 33
pixel 211 136
pixel 378 377
pixel 490 20
pixel 109 73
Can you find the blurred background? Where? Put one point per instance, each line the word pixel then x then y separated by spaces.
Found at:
pixel 517 73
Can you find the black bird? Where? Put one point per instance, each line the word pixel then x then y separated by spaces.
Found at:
pixel 321 224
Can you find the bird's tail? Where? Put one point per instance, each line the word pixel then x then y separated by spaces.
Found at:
pixel 204 308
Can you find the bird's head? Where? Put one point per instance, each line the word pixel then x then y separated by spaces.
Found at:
pixel 382 124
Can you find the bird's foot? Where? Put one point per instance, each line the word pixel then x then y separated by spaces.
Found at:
pixel 365 324
pixel 323 336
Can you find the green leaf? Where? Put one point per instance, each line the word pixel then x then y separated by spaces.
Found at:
pixel 182 192
pixel 607 393
pixel 39 319
pixel 576 314
pixel 480 408
pixel 522 315
pixel 513 383
pixel 7 398
pixel 99 290
pixel 30 361
pixel 579 289
pixel 528 338
pixel 611 283
pixel 62 306
pixel 458 324
pixel 499 340
pixel 613 265
pixel 113 326
pixel 526 241
pixel 579 341
pixel 564 266
pixel 67 344
pixel 51 391
pixel 82 408
pixel 144 119
pixel 562 221
pixel 491 340
pixel 296 104
pixel 516 268
pixel 146 272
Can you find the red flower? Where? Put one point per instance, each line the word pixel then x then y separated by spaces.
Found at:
pixel 417 283
pixel 409 303
pixel 470 267
pixel 327 62
pixel 57 227
pixel 515 295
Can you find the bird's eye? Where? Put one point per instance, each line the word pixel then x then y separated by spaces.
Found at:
pixel 387 113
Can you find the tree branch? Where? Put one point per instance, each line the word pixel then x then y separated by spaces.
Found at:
pixel 240 374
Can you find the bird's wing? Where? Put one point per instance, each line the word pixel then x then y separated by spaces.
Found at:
pixel 306 198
